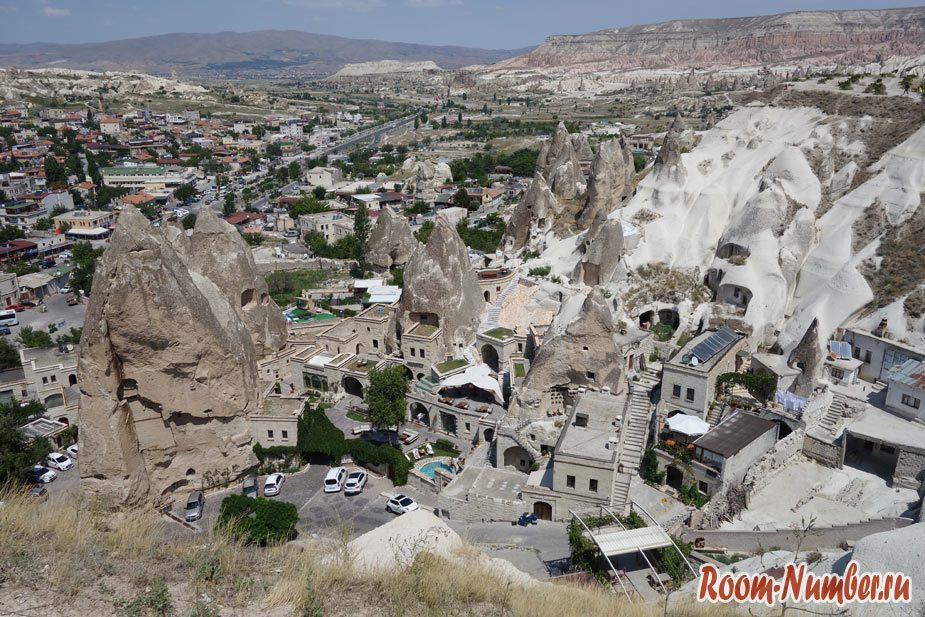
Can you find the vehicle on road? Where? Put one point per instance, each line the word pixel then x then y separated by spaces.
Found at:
pixel 4 330
pixel 401 504
pixel 28 304
pixel 335 479
pixel 356 480
pixel 72 451
pixel 48 262
pixel 38 492
pixel 527 518
pixel 273 484
pixel 18 308
pixel 249 487
pixel 66 289
pixel 58 461
pixel 41 475
pixel 72 300
pixel 194 506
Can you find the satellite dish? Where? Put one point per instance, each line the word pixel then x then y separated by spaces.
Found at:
pixel 70 347
pixel 694 361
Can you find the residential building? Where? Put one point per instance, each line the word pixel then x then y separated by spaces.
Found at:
pixel 22 214
pixel 15 250
pixel 906 390
pixel 327 177
pixel 689 378
pixel 111 126
pixel 878 354
pixel 9 289
pixel 332 225
pixel 51 377
pixel 291 129
pixel 150 178
pixel 86 224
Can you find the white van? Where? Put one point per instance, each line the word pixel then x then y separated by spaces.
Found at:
pixel 334 481
pixel 8 318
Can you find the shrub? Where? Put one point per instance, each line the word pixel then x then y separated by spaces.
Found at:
pixel 446 444
pixel 649 471
pixel 540 271
pixel 259 521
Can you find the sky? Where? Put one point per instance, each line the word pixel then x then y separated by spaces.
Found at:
pixel 492 24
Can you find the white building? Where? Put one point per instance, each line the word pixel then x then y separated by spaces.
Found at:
pixel 333 225
pixel 291 129
pixel 905 395
pixel 151 179
pixel 327 177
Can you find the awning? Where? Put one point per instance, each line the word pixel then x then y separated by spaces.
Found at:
pixel 687 425
pixel 478 376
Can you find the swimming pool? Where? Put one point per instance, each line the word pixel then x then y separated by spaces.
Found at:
pixel 429 469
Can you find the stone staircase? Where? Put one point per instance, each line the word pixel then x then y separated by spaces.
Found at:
pixel 714 415
pixel 469 354
pixel 632 443
pixel 834 413
pixel 493 316
pixel 524 443
pixel 649 378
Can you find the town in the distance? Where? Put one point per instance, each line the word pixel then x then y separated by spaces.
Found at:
pixel 468 332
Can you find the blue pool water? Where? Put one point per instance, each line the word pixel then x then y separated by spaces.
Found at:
pixel 428 469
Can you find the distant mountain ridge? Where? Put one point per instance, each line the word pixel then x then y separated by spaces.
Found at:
pixel 842 37
pixel 263 53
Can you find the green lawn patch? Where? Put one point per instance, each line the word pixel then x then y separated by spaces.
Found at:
pixel 451 365
pixel 286 287
pixel 423 330
pixel 519 370
pixel 500 333
pixel 354 415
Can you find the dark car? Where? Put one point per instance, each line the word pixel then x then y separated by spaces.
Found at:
pixel 4 330
pixel 28 304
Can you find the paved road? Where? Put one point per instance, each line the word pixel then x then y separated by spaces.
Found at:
pixel 540 550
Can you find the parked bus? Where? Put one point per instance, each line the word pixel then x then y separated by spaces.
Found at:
pixel 8 318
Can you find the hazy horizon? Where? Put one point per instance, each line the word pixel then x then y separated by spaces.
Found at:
pixel 469 23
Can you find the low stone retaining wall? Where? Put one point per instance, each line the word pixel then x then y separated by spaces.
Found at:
pixel 314 263
pixel 825 452
pixel 480 508
pixel 821 537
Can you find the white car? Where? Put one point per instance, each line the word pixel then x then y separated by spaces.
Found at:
pixel 66 289
pixel 41 474
pixel 58 461
pixel 273 484
pixel 72 451
pixel 356 480
pixel 401 504
pixel 334 481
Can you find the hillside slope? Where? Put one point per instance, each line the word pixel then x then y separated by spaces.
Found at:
pixel 240 54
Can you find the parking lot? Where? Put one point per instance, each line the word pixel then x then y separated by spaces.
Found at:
pixel 319 512
pixel 56 312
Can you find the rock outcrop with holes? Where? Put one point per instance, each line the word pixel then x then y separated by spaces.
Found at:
pixel 532 217
pixel 441 288
pixel 566 178
pixel 217 252
pixel 806 356
pixel 584 346
pixel 606 184
pixel 167 370
pixel 668 162
pixel 428 176
pixel 391 241
pixel 601 251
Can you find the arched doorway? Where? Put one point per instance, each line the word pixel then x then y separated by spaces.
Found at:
pixel 72 379
pixel 487 296
pixel 420 413
pixel 517 457
pixel 353 386
pixel 674 477
pixel 55 400
pixel 542 510
pixel 670 317
pixel 490 357
pixel 645 320
pixel 489 435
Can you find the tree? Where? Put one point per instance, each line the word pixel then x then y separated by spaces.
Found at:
pixel 423 234
pixel 73 167
pixel 462 200
pixel 443 122
pixel 459 117
pixel 295 170
pixel 260 521
pixel 54 172
pixel 485 109
pixel 189 221
pixel 385 396
pixel 253 239
pixel 274 150
pixel 361 229
pixel 30 338
pixel 398 277
pixel 9 355
pixel 639 162
pixel 43 224
pixel 3 197
pixel 72 337
pixel 84 257
pixel 417 123
pixel 185 192
pixel 228 208
pixel 319 192
pixel 307 205
pixel 17 454
pixel 9 232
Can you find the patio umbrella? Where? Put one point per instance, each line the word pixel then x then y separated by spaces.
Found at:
pixel 687 425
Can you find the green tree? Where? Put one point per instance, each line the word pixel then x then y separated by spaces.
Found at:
pixel 462 200
pixel 319 192
pixel 73 167
pixel 28 337
pixel 443 122
pixel 54 172
pixel 459 117
pixel 9 232
pixel 253 239
pixel 17 454
pixel 22 267
pixel 417 123
pixel 84 257
pixel 189 221
pixel 43 224
pixel 3 197
pixel 385 396
pixel 307 205
pixel 423 234
pixel 72 337
pixel 639 162
pixel 295 170
pixel 9 355
pixel 260 521
pixel 185 192
pixel 361 227
pixel 228 209
pixel 274 151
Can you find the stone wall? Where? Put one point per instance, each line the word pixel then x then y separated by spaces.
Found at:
pixel 829 454
pixel 480 508
pixel 762 472
pixel 910 469
pixel 314 263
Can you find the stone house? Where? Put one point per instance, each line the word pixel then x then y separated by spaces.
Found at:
pixel 50 374
pixel 9 289
pixel 906 390
pixel 689 378
pixel 327 177
pixel 878 355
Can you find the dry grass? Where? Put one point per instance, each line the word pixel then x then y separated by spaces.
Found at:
pixel 84 561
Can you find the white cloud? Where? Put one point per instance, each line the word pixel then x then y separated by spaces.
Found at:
pixel 53 12
pixel 359 6
pixel 432 4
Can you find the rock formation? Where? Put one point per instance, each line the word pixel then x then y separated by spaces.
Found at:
pixel 566 178
pixel 582 147
pixel 550 151
pixel 533 216
pixel 806 356
pixel 217 252
pixel 601 251
pixel 668 162
pixel 428 176
pixel 606 184
pixel 391 242
pixel 629 169
pixel 585 348
pixel 441 286
pixel 167 363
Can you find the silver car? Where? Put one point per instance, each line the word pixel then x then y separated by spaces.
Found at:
pixel 194 506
